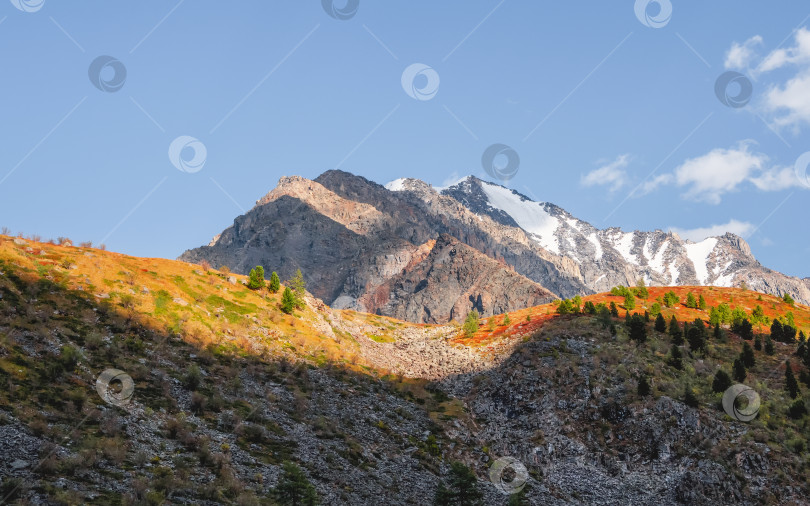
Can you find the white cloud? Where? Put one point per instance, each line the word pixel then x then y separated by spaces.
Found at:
pixel 740 56
pixel 776 179
pixel 710 176
pixel 612 174
pixel 783 97
pixel 741 228
pixel 719 171
pixel 788 103
pixel 653 184
pixel 798 54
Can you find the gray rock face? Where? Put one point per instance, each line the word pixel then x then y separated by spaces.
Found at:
pixel 453 276
pixel 358 242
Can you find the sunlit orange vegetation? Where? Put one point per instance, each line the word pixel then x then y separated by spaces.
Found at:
pixel 492 329
pixel 204 306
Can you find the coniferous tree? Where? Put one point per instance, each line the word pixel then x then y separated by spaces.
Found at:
pixel 791 385
pixel 671 299
pixel 804 377
pixel 788 334
pixel 797 409
pixel 565 307
pixel 758 344
pixel 293 488
pixel 675 331
pixel 471 323
pixel 802 337
pixel 638 329
pixel 788 299
pixel 739 371
pixel 660 323
pixel 462 489
pixel 256 278
pixel 675 357
pixel 776 330
pixel 722 381
pixel 299 288
pixel 718 332
pixel 604 317
pixel 287 300
pixel 698 324
pixel 643 386
pixel 747 356
pixel 696 340
pixel 275 283
pixel 769 350
pixel 743 328
pixel 629 301
pixel 702 303
pixel 690 301
pixel 714 316
pixel 758 314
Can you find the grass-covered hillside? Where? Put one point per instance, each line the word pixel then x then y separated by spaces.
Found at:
pixel 235 399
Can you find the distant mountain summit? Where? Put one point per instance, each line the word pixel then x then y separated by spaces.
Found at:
pixel 385 249
pixel 605 256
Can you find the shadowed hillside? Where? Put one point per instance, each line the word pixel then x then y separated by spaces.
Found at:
pixel 226 388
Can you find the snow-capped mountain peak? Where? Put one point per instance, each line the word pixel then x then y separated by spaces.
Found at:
pixel 607 257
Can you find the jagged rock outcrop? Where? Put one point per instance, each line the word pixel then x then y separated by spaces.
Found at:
pixel 442 286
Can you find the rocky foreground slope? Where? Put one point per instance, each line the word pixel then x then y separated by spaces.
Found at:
pixel 358 242
pixel 226 388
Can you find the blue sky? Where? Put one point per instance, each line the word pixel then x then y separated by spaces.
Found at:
pixel 616 121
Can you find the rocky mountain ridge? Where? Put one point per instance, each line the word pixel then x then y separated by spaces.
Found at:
pixel 357 241
pixel 605 256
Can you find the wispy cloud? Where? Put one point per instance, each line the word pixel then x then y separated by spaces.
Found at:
pixel 710 176
pixel 785 101
pixel 611 174
pixel 741 56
